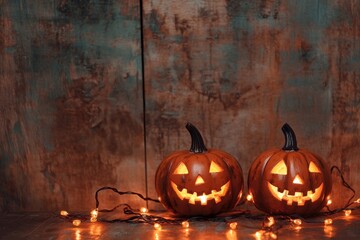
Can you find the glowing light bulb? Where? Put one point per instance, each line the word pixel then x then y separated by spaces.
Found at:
pixel 347 212
pixel 64 213
pixel 357 200
pixel 329 202
pixel 185 224
pixel 94 213
pixel 297 221
pixel 76 222
pixel 144 210
pixel 258 234
pixel 233 225
pixel 273 235
pixel 249 197
pixel 328 221
pixel 157 226
pixel 271 221
pixel 93 219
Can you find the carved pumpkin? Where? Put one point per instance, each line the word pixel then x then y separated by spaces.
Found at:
pixel 289 180
pixel 199 182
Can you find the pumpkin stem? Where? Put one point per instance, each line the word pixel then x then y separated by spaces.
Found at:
pixel 290 138
pixel 197 143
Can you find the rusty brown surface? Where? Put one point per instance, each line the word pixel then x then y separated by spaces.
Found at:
pixel 240 69
pixel 71 103
pixel 71 90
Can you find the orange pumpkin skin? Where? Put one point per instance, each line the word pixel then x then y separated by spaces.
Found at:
pixel 211 174
pixel 290 180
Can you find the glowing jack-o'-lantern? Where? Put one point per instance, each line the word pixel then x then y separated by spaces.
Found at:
pixel 199 182
pixel 289 180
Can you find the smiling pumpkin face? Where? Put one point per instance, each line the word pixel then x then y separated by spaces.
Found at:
pixel 289 180
pixel 297 184
pixel 199 182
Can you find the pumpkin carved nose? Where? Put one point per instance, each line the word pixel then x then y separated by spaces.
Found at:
pixel 199 180
pixel 298 180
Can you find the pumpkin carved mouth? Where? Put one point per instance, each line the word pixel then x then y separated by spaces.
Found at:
pixel 299 197
pixel 193 197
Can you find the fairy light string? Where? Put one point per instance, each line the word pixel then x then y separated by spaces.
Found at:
pixel 345 184
pixel 269 228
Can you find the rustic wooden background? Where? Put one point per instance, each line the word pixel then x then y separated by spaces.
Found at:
pixel 86 103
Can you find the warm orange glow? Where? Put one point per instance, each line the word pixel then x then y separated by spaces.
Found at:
pixel 239 197
pixel 185 224
pixel 214 168
pixel 233 225
pixel 357 200
pixel 94 213
pixel 249 197
pixel 328 221
pixel 271 221
pixel 273 235
pixel 329 202
pixel 181 169
pixel 313 168
pixel 64 213
pixel 329 231
pixel 298 180
pixel 259 234
pixel 77 234
pixel 95 230
pixel 76 222
pixel 231 235
pixel 297 221
pixel 280 168
pixel 193 197
pixel 199 180
pixel 297 197
pixel 203 199
pixel 157 226
pixel 347 212
pixel 156 236
pixel 144 210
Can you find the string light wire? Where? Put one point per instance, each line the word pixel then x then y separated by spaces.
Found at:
pixel 276 222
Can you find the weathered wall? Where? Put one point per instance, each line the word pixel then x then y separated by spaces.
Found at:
pixel 240 69
pixel 71 102
pixel 71 91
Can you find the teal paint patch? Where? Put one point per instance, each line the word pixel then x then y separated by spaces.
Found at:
pixel 5 160
pixel 296 61
pixel 154 22
pixel 240 13
pixel 10 50
pixel 313 14
pixel 17 128
pixel 231 54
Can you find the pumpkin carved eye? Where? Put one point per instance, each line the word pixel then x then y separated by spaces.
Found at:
pixel 215 168
pixel 313 168
pixel 280 168
pixel 181 169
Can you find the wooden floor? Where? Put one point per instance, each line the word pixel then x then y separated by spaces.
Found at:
pixel 50 226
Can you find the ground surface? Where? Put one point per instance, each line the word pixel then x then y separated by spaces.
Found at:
pixel 51 226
